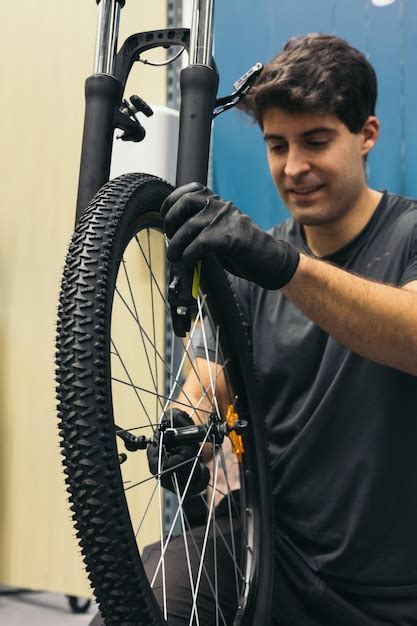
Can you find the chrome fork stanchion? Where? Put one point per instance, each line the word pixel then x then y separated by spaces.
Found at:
pixel 108 22
pixel 201 35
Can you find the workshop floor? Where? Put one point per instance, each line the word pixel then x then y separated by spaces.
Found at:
pixel 40 609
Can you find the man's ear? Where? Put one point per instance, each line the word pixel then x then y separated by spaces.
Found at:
pixel 370 134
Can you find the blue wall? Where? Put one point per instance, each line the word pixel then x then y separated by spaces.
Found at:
pixel 248 31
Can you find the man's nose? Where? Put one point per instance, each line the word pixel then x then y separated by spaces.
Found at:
pixel 296 164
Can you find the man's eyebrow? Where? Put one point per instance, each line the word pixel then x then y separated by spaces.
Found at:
pixel 308 133
pixel 320 129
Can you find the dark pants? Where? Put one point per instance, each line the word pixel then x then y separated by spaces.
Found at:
pixel 226 536
pixel 300 597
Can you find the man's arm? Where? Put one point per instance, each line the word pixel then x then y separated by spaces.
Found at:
pixel 374 320
pixel 377 321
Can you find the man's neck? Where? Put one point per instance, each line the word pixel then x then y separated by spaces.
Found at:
pixel 328 238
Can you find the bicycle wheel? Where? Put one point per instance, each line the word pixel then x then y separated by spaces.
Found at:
pixel 115 385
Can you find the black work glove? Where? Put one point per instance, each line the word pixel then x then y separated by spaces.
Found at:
pixel 177 455
pixel 199 222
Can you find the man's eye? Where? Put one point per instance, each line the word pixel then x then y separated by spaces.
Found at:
pixel 278 148
pixel 318 144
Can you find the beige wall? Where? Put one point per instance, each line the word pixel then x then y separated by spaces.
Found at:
pixel 47 50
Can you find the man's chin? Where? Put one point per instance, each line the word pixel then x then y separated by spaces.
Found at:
pixel 309 216
pixel 307 220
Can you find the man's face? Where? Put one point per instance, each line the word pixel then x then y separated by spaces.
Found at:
pixel 317 163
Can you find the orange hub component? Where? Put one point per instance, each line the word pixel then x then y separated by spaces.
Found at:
pixel 237 441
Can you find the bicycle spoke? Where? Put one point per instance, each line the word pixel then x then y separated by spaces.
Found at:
pixel 223 538
pixel 161 523
pixel 203 551
pixel 142 334
pixel 153 276
pixel 216 592
pixel 129 429
pixel 204 567
pixel 162 396
pixel 178 375
pixel 140 327
pixel 203 298
pixel 131 383
pixel 223 462
pixel 207 357
pixel 185 537
pixel 145 334
pixel 146 510
pixel 168 471
pixel 187 485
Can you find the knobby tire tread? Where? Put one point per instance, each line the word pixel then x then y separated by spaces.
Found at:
pixel 83 408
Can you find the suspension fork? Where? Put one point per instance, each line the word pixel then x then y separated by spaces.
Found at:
pixel 199 83
pixel 102 94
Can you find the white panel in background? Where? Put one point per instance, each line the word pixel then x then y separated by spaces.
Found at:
pixel 156 154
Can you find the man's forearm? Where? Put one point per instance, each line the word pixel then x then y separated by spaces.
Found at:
pixel 377 321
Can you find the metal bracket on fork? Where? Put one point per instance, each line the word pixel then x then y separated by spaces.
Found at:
pixel 138 43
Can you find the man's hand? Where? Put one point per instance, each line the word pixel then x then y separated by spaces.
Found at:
pixel 176 456
pixel 198 222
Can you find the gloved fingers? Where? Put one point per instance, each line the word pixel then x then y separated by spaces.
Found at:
pixel 194 244
pixel 213 229
pixel 188 205
pixel 189 232
pixel 173 197
pixel 202 246
pixel 230 265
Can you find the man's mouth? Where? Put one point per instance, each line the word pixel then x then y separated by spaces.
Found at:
pixel 304 191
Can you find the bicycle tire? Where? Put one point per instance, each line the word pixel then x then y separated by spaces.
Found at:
pixel 124 210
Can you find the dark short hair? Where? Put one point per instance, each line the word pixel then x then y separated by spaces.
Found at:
pixel 316 73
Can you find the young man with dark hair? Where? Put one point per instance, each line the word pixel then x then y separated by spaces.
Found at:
pixel 331 299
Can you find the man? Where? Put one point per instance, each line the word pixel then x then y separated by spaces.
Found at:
pixel 330 297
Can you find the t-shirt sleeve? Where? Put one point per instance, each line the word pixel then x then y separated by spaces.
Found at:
pixel 410 272
pixel 241 290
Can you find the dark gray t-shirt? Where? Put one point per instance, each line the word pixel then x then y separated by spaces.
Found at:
pixel 342 429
